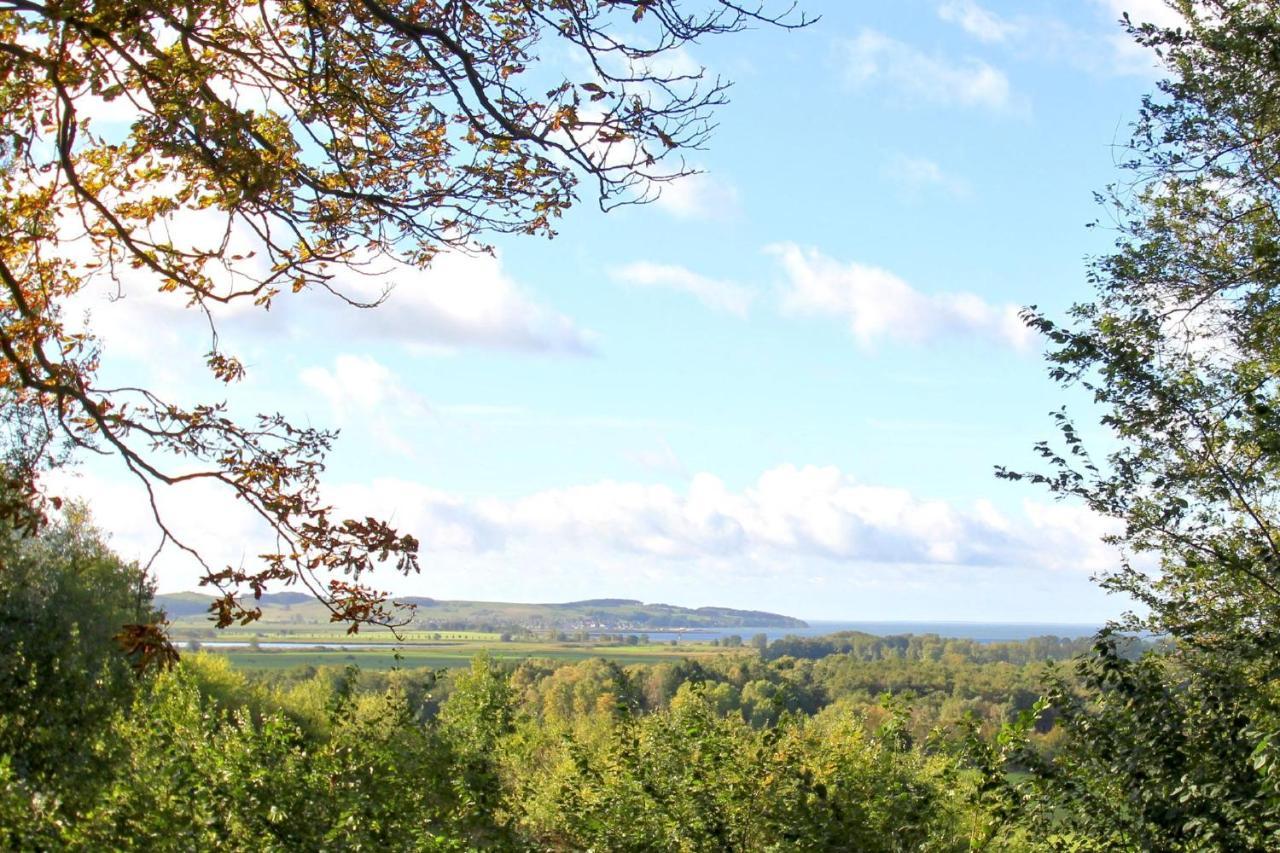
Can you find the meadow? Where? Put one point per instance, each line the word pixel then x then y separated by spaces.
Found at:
pixel 458 650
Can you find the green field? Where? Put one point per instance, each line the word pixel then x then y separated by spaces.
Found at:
pixel 303 622
pixel 267 632
pixel 447 655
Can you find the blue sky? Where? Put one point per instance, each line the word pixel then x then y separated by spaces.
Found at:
pixel 782 386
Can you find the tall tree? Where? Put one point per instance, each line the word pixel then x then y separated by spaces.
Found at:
pixel 1181 345
pixel 319 134
pixel 65 600
pixel 1180 348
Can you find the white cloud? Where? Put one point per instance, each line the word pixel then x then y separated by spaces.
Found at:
pixel 880 306
pixel 460 301
pixel 1129 57
pixel 1123 55
pixel 121 112
pixel 720 295
pixel 156 339
pixel 203 515
pixel 920 173
pixel 442 522
pixel 359 383
pixel 361 391
pixel 666 64
pixel 697 196
pixel 874 59
pixel 117 310
pixel 980 23
pixel 1067 529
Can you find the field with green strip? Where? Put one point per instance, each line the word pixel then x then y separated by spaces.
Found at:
pixel 448 655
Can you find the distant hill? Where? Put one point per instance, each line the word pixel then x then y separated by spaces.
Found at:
pixel 179 604
pixel 603 602
pixel 594 614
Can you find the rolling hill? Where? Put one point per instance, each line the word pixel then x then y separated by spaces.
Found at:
pixel 600 614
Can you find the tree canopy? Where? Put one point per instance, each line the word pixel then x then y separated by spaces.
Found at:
pixel 259 147
pixel 64 597
pixel 1180 348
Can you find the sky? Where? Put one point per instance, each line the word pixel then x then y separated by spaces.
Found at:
pixel 782 386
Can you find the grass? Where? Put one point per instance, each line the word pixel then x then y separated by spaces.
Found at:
pixel 449 654
pixel 267 633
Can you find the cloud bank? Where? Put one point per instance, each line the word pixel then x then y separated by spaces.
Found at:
pixel 790 512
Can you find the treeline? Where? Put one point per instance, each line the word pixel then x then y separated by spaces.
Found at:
pixel 931 647
pixel 936 694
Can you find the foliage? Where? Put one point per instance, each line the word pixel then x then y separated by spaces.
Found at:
pixel 269 146
pixel 191 774
pixel 1179 345
pixel 925 647
pixel 733 752
pixel 1156 756
pixel 64 597
pixel 1180 349
pixel 688 778
pixel 475 720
